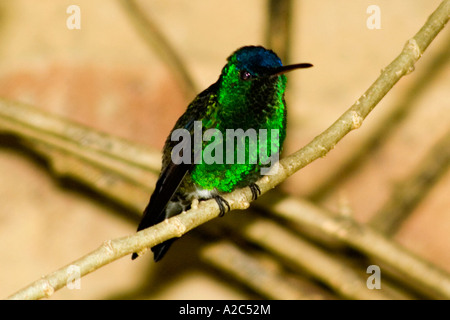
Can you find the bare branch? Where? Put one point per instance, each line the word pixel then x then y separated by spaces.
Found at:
pixel 414 188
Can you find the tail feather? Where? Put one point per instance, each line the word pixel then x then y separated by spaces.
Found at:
pixel 160 250
pixel 156 210
pixel 152 217
pixel 134 256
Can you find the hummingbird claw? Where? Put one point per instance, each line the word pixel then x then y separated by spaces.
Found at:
pixel 221 202
pixel 256 191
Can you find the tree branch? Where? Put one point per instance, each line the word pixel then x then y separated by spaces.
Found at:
pixel 278 29
pixel 414 188
pixel 392 118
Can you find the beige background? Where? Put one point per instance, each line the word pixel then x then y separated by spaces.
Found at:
pixel 104 76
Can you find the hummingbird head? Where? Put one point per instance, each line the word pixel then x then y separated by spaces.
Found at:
pixel 253 78
pixel 256 62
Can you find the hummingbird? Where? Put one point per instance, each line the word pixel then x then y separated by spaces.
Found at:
pixel 249 95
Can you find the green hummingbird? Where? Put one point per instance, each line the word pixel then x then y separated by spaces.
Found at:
pixel 247 100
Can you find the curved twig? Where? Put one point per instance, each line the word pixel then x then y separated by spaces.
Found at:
pixel 155 39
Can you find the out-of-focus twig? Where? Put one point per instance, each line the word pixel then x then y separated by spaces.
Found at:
pixel 246 268
pixel 409 192
pixel 109 164
pixel 428 279
pixel 278 28
pixel 342 278
pixel 155 39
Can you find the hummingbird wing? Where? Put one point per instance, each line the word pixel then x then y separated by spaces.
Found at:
pixel 166 186
pixel 173 171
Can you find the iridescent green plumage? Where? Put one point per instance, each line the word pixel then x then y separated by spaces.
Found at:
pixel 245 105
pixel 248 98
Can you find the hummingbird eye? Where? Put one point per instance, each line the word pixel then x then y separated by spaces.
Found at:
pixel 245 75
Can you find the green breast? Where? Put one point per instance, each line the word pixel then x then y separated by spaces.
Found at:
pixel 233 158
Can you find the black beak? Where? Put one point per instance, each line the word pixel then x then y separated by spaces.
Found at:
pixel 283 69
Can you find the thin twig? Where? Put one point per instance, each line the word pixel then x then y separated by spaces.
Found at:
pixel 408 193
pixel 278 29
pixel 397 113
pixel 155 39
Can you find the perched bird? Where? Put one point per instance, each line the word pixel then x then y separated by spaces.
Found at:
pixel 247 99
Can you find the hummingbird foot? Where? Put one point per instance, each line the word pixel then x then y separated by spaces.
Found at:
pixel 221 202
pixel 256 191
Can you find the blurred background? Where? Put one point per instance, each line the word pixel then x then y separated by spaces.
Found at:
pixel 108 77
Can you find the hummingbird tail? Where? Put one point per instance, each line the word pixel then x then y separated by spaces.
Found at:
pixel 160 250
